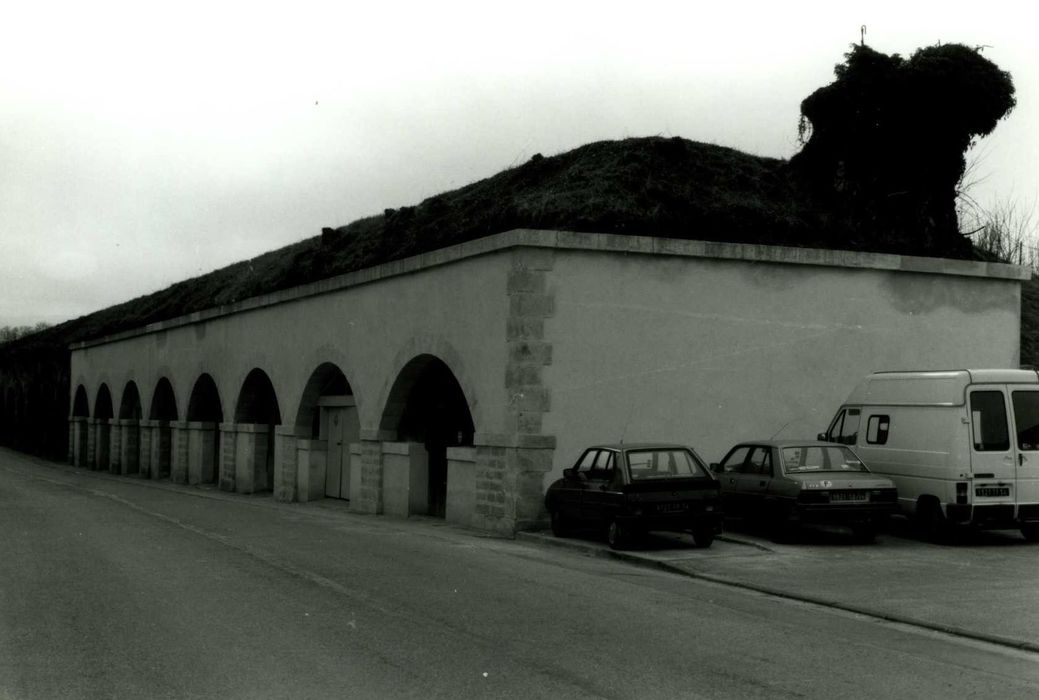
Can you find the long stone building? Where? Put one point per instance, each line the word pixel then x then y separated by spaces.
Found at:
pixel 459 383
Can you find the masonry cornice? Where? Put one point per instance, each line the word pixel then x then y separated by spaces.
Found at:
pixel 590 242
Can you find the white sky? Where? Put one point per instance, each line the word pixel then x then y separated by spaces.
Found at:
pixel 142 144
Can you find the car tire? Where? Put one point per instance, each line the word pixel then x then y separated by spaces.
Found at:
pixel 560 524
pixel 617 535
pixel 1030 532
pixel 703 538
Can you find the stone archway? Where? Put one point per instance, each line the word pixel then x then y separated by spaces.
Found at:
pixel 102 424
pixel 327 424
pixel 128 428
pixel 427 406
pixel 79 432
pixel 256 415
pixel 204 416
pixel 161 415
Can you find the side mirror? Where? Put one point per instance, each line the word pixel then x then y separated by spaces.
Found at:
pixel 821 437
pixel 568 473
pixel 716 468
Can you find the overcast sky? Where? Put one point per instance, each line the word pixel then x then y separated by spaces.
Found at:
pixel 142 144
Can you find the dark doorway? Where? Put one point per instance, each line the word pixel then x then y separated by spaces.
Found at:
pixel 436 414
pixel 258 405
pixel 130 412
pixel 103 413
pixel 204 407
pixel 164 410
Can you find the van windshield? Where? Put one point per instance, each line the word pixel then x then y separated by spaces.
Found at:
pixel 818 458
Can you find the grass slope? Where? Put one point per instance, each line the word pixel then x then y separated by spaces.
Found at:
pixel 652 186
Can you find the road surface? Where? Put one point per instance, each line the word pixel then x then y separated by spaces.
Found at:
pixel 111 587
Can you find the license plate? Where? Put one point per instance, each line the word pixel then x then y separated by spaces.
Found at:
pixel 849 497
pixel 673 507
pixel 992 491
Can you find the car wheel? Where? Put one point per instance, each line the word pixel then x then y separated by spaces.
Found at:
pixel 1030 532
pixel 560 526
pixel 703 538
pixel 616 535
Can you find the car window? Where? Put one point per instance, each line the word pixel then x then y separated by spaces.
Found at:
pixel 585 464
pixel 820 458
pixel 734 462
pixel 603 466
pixel 760 461
pixel 664 464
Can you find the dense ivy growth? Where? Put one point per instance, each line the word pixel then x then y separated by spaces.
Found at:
pixel 884 144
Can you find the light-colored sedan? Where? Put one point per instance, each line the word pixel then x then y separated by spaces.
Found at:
pixel 787 483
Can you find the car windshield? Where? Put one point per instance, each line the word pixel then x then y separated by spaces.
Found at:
pixel 820 458
pixel 666 463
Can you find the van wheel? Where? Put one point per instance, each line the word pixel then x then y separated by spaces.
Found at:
pixel 930 521
pixel 1030 532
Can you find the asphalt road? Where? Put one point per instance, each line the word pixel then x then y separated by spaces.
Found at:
pixel 114 588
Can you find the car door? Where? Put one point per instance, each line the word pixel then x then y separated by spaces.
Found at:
pixel 729 476
pixel 600 498
pixel 569 491
pixel 756 479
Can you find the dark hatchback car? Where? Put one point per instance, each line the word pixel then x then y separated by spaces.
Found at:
pixel 629 489
pixel 787 483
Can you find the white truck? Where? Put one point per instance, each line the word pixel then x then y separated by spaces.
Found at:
pixel 962 446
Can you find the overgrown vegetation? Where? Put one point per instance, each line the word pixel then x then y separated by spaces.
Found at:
pixel 9 333
pixel 885 143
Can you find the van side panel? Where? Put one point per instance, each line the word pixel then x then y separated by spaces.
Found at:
pixel 927 450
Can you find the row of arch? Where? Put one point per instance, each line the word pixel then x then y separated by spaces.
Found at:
pixel 425 404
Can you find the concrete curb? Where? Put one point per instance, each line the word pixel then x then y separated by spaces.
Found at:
pixel 577 545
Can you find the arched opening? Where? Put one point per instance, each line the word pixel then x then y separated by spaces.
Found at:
pixel 130 415
pixel 328 412
pixel 80 404
pixel 204 406
pixel 164 410
pixel 103 413
pixel 130 405
pixel 79 433
pixel 427 405
pixel 257 405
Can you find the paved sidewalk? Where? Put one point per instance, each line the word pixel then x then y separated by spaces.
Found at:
pixel 985 586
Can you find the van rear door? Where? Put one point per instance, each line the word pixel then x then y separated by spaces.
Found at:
pixel 1025 402
pixel 993 454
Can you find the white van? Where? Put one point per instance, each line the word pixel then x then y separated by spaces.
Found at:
pixel 961 446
